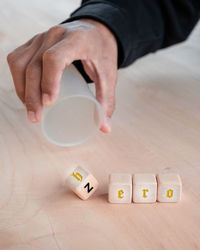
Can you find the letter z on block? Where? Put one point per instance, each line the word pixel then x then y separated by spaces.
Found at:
pixel 82 183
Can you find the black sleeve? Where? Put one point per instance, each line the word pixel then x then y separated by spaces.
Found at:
pixel 142 26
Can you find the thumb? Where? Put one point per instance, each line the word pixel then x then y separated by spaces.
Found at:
pixel 105 95
pixel 105 84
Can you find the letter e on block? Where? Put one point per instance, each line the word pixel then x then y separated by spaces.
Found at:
pixel 120 188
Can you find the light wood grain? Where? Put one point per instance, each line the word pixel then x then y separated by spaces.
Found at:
pixel 156 129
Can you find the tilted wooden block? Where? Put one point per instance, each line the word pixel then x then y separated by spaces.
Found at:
pixel 169 187
pixel 120 188
pixel 82 183
pixel 144 188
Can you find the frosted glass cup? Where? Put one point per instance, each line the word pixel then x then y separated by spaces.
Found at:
pixel 76 115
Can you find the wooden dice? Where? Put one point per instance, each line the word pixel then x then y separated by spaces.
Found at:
pixel 82 183
pixel 145 188
pixel 169 187
pixel 125 188
pixel 120 188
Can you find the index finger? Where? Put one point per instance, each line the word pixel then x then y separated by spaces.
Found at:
pixel 55 60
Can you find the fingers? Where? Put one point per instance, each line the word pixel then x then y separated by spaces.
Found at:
pixel 18 61
pixel 55 60
pixel 105 79
pixel 33 91
pixel 19 50
pixel 105 94
pixel 37 67
pixel 53 66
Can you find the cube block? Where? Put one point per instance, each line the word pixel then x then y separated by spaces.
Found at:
pixel 120 188
pixel 82 183
pixel 169 187
pixel 144 188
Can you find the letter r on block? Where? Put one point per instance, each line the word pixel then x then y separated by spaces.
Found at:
pixel 144 193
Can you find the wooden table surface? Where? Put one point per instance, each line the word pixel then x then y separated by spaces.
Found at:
pixel 156 129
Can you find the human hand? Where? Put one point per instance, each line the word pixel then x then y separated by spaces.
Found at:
pixel 37 65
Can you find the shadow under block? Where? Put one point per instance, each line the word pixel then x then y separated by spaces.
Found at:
pixel 144 188
pixel 169 187
pixel 120 188
pixel 82 183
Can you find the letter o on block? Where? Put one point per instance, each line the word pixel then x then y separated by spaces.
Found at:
pixel 82 183
pixel 169 187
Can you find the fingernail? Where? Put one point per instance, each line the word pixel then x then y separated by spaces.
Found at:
pixel 46 100
pixel 32 116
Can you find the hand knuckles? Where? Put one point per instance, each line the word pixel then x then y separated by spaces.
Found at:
pixel 17 65
pixel 9 57
pixel 31 71
pixel 55 30
pixel 31 103
pixel 50 87
pixel 46 87
pixel 50 57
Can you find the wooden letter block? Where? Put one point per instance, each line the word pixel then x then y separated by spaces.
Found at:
pixel 169 187
pixel 120 188
pixel 82 183
pixel 144 188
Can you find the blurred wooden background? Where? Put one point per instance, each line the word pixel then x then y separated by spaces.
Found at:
pixel 156 128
